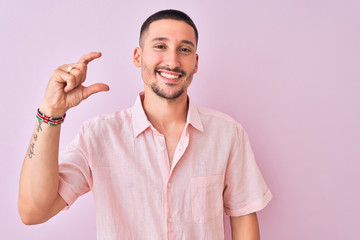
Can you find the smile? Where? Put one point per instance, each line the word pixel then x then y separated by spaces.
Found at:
pixel 169 76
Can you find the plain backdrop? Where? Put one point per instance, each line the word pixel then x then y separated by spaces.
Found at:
pixel 288 70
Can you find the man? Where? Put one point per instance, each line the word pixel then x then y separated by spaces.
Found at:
pixel 163 169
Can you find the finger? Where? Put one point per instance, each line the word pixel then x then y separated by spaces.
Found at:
pixel 76 69
pixel 89 57
pixel 94 88
pixel 83 77
pixel 69 80
pixel 70 67
pixel 83 68
pixel 78 74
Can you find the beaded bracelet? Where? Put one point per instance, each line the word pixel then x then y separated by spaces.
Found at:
pixel 50 120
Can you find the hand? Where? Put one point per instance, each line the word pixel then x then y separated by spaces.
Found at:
pixel 65 89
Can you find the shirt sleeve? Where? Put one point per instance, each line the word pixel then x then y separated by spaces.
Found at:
pixel 245 189
pixel 75 178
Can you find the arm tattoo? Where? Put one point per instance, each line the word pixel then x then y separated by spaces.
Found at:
pixel 32 145
pixel 39 126
pixel 31 150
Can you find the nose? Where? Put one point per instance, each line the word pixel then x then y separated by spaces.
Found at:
pixel 172 59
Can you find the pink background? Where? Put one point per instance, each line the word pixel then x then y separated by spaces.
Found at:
pixel 287 70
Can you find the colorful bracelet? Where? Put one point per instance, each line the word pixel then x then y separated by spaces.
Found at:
pixel 50 120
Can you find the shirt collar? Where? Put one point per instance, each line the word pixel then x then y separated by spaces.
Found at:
pixel 139 119
pixel 141 123
pixel 193 116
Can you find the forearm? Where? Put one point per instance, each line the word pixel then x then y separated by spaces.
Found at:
pixel 245 227
pixel 38 192
pixel 40 171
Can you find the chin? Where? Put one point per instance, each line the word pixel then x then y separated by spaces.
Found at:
pixel 169 96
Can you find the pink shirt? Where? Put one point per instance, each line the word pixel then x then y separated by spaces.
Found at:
pixel 123 160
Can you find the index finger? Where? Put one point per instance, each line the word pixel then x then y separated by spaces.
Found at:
pixel 89 57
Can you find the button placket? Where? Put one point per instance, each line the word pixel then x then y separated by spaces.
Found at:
pixel 168 189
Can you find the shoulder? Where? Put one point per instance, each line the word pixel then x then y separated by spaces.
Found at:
pixel 103 130
pixel 109 121
pixel 219 125
pixel 213 116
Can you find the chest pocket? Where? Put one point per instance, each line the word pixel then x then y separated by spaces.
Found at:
pixel 206 197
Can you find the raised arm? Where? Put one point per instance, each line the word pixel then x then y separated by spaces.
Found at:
pixel 38 191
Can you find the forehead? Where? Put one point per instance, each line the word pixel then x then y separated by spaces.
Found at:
pixel 171 29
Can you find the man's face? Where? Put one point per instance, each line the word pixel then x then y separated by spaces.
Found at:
pixel 167 57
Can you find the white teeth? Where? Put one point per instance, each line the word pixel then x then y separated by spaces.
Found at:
pixel 169 76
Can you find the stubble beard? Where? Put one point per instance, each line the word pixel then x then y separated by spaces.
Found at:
pixel 161 93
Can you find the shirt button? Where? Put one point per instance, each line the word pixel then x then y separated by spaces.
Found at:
pixel 180 149
pixel 169 184
pixel 170 219
pixel 162 148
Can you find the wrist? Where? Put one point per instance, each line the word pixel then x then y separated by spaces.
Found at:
pixel 50 120
pixel 51 112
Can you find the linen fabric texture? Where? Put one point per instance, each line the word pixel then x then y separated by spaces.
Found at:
pixel 123 160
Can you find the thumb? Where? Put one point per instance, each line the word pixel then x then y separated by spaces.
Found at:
pixel 94 88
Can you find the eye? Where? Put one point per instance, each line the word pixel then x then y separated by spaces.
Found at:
pixel 185 50
pixel 159 46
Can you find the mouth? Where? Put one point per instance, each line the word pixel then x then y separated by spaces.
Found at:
pixel 170 78
pixel 169 75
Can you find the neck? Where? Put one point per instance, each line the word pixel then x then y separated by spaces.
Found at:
pixel 165 114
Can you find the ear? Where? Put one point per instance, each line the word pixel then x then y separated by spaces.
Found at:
pixel 196 64
pixel 137 57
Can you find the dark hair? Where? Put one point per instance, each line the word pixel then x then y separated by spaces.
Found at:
pixel 169 14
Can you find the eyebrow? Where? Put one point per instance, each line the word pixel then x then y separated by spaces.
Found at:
pixel 164 39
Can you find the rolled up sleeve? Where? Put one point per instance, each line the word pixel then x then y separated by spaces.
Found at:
pixel 245 189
